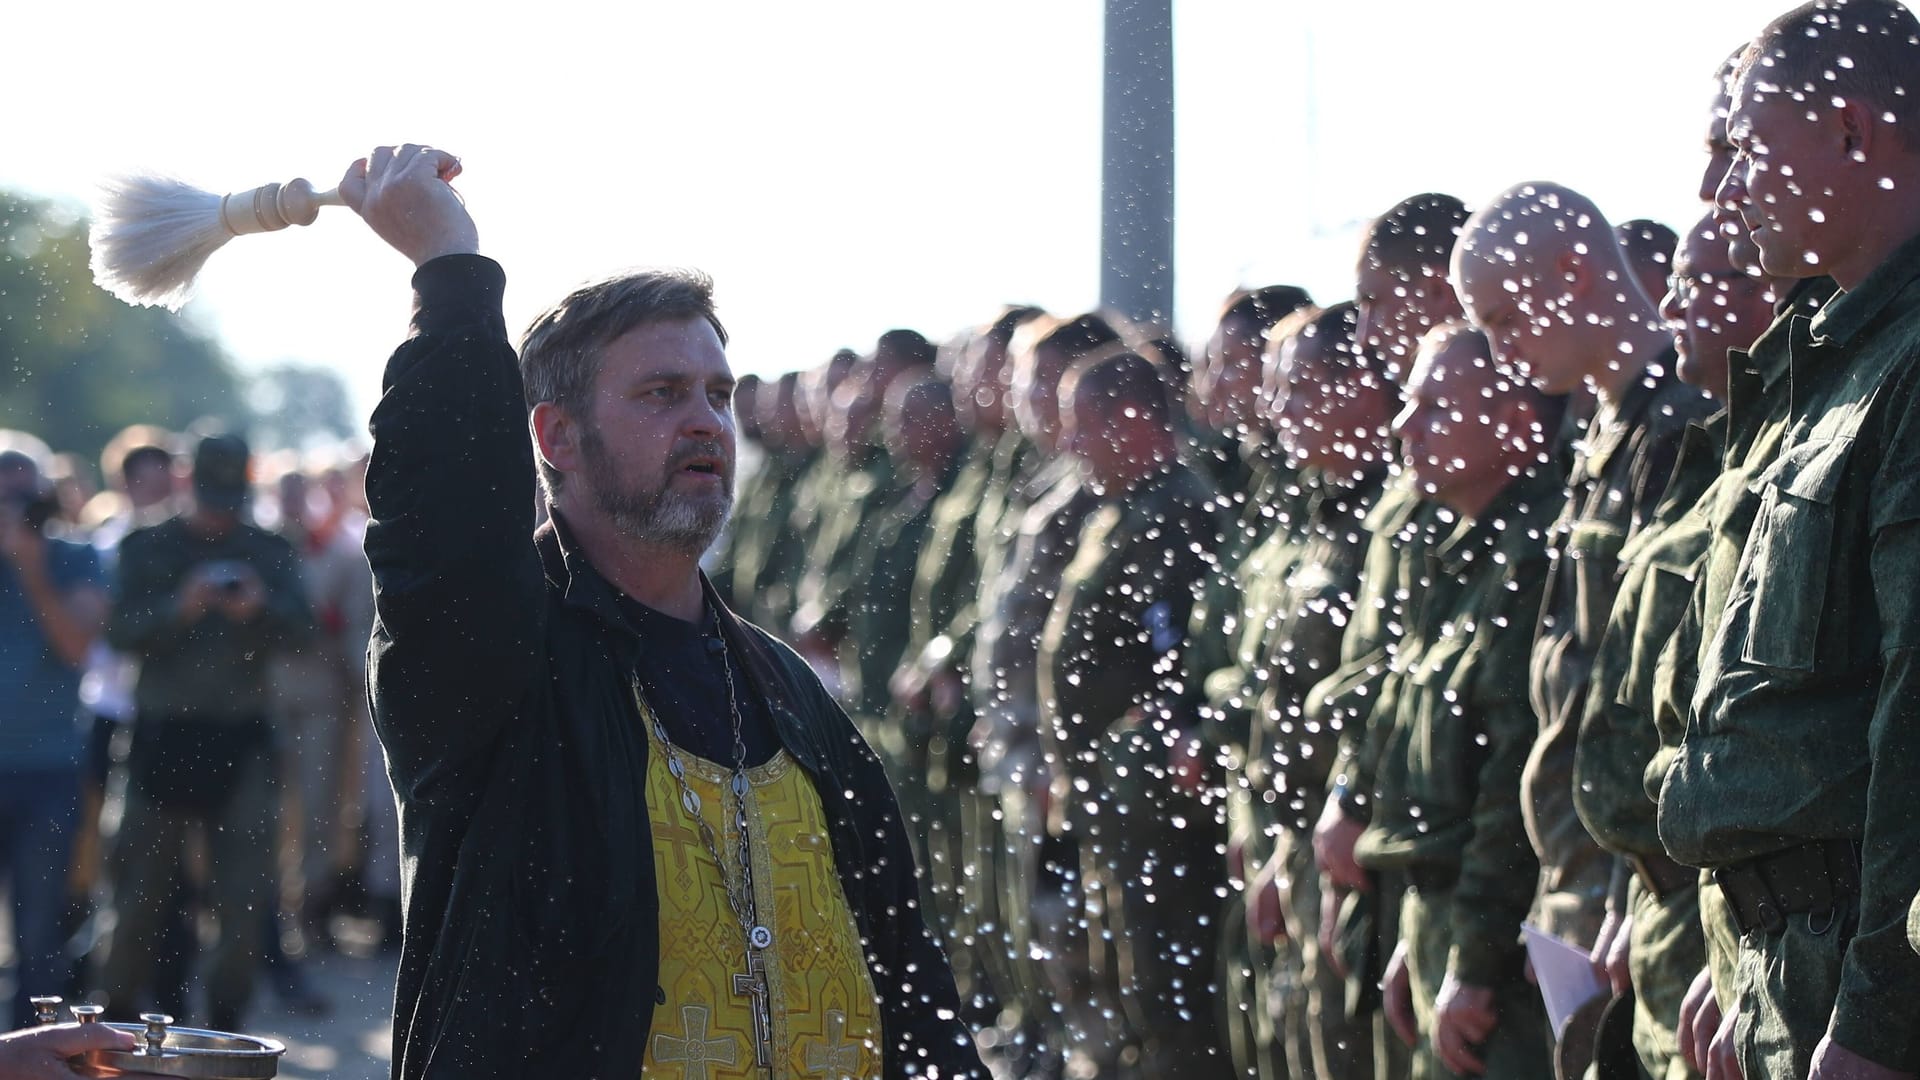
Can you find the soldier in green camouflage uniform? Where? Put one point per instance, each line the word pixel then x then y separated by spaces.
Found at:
pixel 1332 404
pixel 1793 781
pixel 928 691
pixel 851 491
pixel 1111 676
pixel 1261 496
pixel 1760 393
pixel 1563 307
pixel 1044 506
pixel 1401 291
pixel 1446 815
pixel 1713 307
pixel 764 548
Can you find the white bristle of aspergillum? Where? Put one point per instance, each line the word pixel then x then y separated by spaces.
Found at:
pixel 150 237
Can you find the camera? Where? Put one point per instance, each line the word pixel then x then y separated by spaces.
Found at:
pixel 226 576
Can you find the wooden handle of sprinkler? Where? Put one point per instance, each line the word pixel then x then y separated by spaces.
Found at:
pixel 273 207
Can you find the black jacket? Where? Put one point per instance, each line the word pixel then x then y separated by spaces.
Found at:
pixel 501 682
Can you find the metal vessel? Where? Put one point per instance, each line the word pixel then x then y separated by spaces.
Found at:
pixel 167 1050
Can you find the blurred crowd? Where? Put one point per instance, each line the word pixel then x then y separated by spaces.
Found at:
pixel 193 798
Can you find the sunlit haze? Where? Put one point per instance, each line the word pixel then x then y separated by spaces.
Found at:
pixel 843 168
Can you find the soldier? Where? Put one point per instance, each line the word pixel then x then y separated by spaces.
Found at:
pixel 1225 400
pixel 813 491
pixel 864 481
pixel 1402 291
pixel 929 690
pixel 1332 405
pixel 1792 782
pixel 1112 672
pixel 1541 273
pixel 1227 635
pixel 1040 526
pixel 1658 948
pixel 765 547
pixel 923 442
pixel 1649 246
pixel 1446 814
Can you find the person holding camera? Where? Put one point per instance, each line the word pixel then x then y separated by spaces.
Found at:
pixel 202 600
pixel 52 604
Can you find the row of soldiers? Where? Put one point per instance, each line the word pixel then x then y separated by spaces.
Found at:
pixel 1246 718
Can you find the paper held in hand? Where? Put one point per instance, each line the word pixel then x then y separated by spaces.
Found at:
pixel 1567 980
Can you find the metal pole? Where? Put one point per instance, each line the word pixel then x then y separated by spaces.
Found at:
pixel 1136 175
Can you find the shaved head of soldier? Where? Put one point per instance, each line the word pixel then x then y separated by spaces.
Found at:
pixel 1401 285
pixel 1119 419
pixel 1471 425
pixel 1043 352
pixel 779 413
pixel 818 387
pixel 1541 273
pixel 1713 306
pixel 1649 246
pixel 1332 401
pixel 922 432
pixel 1825 124
pixel 1226 382
pixel 980 379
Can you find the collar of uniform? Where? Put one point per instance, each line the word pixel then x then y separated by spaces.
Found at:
pixel 1854 310
pixel 1345 498
pixel 1607 432
pixel 1398 502
pixel 1772 353
pixel 1498 520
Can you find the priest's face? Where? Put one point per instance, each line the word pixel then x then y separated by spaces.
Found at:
pixel 657 451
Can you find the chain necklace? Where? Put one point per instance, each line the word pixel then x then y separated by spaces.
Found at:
pixel 753 982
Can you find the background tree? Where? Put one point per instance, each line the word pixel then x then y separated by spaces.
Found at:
pixel 76 365
pixel 298 407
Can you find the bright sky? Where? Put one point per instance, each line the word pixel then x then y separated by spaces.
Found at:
pixel 847 166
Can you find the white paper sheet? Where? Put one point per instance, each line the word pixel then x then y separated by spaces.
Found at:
pixel 1567 981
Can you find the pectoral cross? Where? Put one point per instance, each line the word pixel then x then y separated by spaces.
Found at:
pixel 754 983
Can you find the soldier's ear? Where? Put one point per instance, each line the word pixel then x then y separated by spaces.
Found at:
pixel 556 437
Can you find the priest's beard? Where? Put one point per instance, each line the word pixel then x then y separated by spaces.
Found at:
pixel 658 517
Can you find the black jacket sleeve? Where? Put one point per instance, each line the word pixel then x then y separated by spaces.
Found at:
pixel 458 587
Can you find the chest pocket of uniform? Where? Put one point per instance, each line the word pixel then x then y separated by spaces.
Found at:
pixel 1594 547
pixel 1439 761
pixel 1786 563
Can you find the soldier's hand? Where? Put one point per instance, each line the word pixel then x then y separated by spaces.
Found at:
pixel 1187 765
pixel 1722 1062
pixel 1699 1019
pixel 1334 838
pixel 1264 926
pixel 1831 1061
pixel 1602 942
pixel 1619 960
pixel 405 195
pixel 1463 1017
pixel 1396 993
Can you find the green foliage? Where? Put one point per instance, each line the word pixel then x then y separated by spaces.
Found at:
pixel 76 365
pixel 296 406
